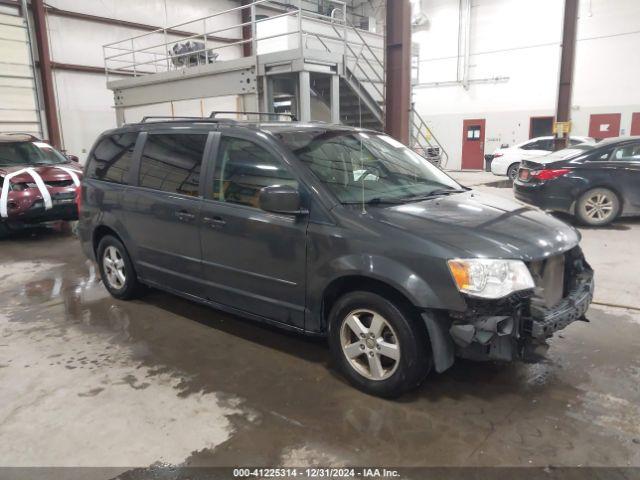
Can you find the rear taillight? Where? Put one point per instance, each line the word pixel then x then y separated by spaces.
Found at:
pixel 79 197
pixel 496 155
pixel 549 174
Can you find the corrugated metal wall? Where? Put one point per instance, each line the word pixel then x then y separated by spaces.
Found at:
pixel 18 106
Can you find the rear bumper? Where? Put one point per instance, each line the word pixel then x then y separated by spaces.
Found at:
pixel 541 196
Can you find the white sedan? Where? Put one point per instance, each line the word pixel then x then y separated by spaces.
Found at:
pixel 506 161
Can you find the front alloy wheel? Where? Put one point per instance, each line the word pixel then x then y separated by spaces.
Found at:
pixel 381 346
pixel 370 344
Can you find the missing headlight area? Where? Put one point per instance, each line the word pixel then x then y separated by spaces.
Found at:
pixel 517 326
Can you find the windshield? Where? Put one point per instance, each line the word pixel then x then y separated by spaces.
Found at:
pixel 367 167
pixel 29 153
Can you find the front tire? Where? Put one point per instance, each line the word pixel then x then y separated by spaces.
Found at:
pixel 598 207
pixel 116 269
pixel 378 345
pixel 4 230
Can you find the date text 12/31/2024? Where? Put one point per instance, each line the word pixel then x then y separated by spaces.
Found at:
pixel 316 472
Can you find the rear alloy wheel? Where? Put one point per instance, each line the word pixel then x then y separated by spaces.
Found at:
pixel 378 345
pixel 116 269
pixel 512 172
pixel 598 207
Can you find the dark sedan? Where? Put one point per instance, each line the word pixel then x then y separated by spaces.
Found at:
pixel 595 183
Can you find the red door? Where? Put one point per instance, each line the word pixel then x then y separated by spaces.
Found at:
pixel 473 144
pixel 604 125
pixel 635 124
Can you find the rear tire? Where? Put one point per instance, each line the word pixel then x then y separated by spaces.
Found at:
pixel 116 269
pixel 512 171
pixel 598 207
pixel 378 345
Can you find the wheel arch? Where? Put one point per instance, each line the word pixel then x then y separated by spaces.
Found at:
pixel 99 233
pixel 342 285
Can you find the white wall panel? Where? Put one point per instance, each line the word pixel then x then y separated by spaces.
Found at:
pixel 520 39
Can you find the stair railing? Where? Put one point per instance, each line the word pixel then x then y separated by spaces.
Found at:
pixel 421 131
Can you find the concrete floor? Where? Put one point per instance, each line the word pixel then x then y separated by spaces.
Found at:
pixel 91 381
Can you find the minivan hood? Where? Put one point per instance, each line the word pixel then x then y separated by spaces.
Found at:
pixel 475 224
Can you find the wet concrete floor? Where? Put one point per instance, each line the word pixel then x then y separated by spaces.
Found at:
pixel 91 381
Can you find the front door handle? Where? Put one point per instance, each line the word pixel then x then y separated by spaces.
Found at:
pixel 214 222
pixel 185 216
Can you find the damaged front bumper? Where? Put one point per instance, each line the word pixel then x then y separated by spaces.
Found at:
pixel 516 327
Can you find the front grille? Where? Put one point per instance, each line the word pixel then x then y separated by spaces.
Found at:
pixel 556 279
pixel 548 276
pixel 59 183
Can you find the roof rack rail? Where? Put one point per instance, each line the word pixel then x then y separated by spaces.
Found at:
pixel 268 114
pixel 146 118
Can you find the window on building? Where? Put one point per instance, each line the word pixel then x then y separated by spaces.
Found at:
pixel 243 169
pixel 171 162
pixel 111 159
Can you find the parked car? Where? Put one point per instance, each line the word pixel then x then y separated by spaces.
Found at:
pixel 595 183
pixel 331 231
pixel 37 182
pixel 506 160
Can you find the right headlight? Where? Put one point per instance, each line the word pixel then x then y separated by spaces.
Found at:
pixel 490 278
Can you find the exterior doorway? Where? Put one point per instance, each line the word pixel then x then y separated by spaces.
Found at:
pixel 635 124
pixel 473 144
pixel 604 125
pixel 540 127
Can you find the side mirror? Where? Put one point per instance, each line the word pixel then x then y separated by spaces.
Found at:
pixel 73 158
pixel 281 199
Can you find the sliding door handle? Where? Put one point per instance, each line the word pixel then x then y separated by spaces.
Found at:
pixel 185 216
pixel 214 222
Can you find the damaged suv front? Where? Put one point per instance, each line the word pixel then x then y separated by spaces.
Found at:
pixel 515 306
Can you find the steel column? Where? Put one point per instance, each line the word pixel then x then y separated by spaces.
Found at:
pixel 398 74
pixel 335 99
pixel 567 60
pixel 46 75
pixel 247 32
pixel 304 96
pixel 267 93
pixel 120 116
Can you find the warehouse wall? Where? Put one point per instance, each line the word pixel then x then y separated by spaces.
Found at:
pixel 85 105
pixel 520 40
pixel 19 111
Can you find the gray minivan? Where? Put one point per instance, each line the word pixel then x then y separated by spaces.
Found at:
pixel 334 231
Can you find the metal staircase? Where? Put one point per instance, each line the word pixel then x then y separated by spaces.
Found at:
pixel 362 95
pixel 324 50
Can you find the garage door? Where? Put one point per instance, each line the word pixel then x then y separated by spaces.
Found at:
pixel 18 112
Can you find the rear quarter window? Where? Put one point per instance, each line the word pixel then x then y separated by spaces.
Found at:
pixel 111 159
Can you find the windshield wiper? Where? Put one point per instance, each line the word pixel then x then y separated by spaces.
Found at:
pixel 435 193
pixel 375 201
